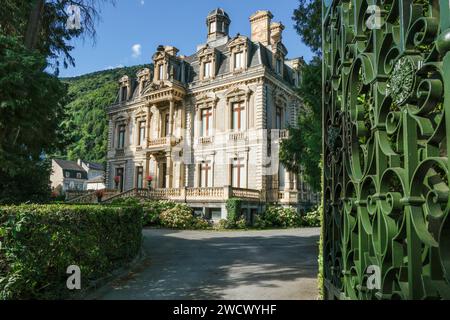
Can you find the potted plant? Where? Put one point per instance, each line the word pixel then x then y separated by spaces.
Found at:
pixel 99 194
pixel 149 182
pixel 117 180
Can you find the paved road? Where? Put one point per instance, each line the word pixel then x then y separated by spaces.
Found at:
pixel 273 264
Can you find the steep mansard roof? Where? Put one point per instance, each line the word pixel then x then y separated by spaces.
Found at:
pixel 259 55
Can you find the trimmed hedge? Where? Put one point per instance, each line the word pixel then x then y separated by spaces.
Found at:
pixel 38 243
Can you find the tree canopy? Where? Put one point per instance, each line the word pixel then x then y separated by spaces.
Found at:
pixel 32 34
pixel 301 153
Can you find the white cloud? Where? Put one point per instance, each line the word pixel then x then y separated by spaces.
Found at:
pixel 114 67
pixel 142 2
pixel 136 50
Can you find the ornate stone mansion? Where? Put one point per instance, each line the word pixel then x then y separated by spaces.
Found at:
pixel 207 127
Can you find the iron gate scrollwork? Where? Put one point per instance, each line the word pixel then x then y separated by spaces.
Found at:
pixel 386 110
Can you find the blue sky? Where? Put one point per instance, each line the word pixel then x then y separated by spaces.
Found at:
pixel 129 32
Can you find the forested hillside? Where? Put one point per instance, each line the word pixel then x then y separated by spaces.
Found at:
pixel 88 97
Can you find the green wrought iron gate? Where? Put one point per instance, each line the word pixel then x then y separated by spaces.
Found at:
pixel 386 110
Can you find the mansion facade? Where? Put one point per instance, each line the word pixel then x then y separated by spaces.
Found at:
pixel 207 127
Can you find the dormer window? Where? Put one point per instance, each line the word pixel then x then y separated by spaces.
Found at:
pixel 279 66
pixel 212 27
pixel 239 50
pixel 238 60
pixel 161 72
pixel 207 70
pixel 124 94
pixel 207 59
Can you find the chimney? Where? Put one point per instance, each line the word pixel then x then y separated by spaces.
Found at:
pixel 276 33
pixel 260 25
pixel 172 51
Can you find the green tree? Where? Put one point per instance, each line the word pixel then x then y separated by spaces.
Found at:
pixel 308 23
pixel 86 123
pixel 32 33
pixel 302 151
pixel 30 109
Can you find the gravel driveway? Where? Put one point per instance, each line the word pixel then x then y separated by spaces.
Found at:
pixel 270 264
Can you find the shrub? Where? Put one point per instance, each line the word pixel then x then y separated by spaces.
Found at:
pixel 241 223
pixel 221 224
pixel 153 210
pixel 312 218
pixel 233 207
pixel 179 217
pixel 200 224
pixel 285 217
pixel 40 242
pixel 259 222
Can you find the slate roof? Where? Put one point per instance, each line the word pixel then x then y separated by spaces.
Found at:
pixel 94 166
pixel 218 11
pixel 69 165
pixel 260 55
pixel 73 165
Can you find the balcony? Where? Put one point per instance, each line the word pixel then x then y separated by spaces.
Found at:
pixel 288 197
pixel 237 136
pixel 187 195
pixel 162 143
pixel 205 140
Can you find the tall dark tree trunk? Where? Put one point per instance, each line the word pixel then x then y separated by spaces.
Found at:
pixel 34 24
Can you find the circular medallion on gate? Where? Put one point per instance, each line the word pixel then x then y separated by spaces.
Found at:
pixel 402 80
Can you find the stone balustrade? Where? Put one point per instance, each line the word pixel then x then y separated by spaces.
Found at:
pixel 245 193
pixel 159 142
pixel 205 140
pixel 237 136
pixel 204 193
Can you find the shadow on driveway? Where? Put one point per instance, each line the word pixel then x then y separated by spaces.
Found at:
pixel 206 265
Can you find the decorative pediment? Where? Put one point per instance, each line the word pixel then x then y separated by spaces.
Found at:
pixel 205 51
pixel 238 42
pixel 159 55
pixel 206 100
pixel 143 73
pixel 124 80
pixel 239 92
pixel 121 117
pixel 280 98
pixel 140 112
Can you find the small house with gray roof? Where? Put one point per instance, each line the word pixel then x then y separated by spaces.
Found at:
pixel 76 175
